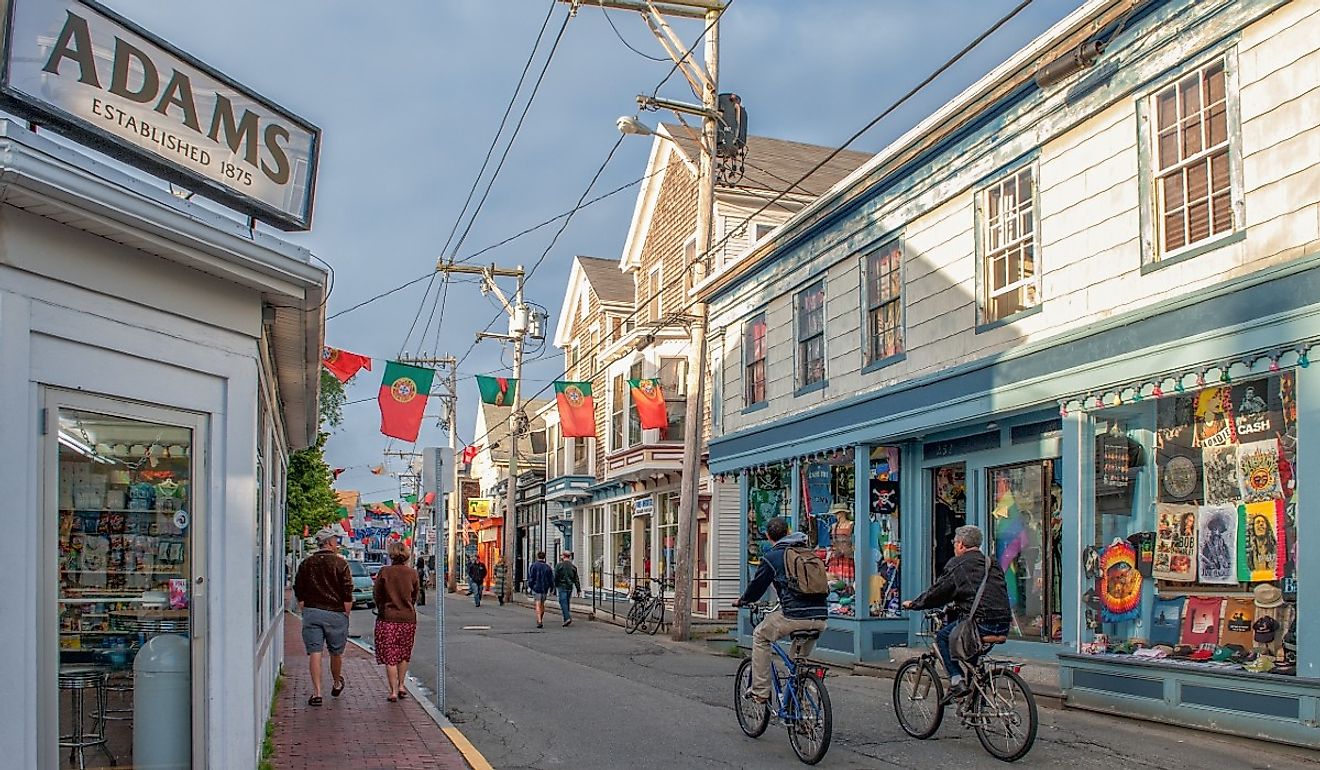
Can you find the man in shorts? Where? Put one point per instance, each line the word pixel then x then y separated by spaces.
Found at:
pixel 540 580
pixel 324 590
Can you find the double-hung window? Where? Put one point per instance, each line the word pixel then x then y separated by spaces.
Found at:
pixel 754 360
pixel 810 322
pixel 618 408
pixel 634 419
pixel 673 384
pixel 654 307
pixel 1011 269
pixel 1193 187
pixel 884 302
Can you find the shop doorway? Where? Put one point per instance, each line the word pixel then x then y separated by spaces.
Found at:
pixel 948 512
pixel 1026 534
pixel 123 514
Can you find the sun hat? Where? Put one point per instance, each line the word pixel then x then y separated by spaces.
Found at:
pixel 325 535
pixel 1261 664
pixel 1268 596
pixel 1223 653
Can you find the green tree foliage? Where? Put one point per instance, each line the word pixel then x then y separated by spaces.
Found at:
pixel 312 501
pixel 332 401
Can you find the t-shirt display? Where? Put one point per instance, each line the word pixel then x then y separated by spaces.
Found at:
pixel 1118 459
pixel 1221 517
pixel 886 549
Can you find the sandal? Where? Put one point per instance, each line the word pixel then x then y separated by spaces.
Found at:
pixel 338 688
pixel 391 699
pixel 403 694
pixel 315 700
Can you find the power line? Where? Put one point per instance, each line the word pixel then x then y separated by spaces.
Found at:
pixel 626 44
pixel 819 165
pixel 691 48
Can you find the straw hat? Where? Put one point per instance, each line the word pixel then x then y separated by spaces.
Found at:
pixel 1268 596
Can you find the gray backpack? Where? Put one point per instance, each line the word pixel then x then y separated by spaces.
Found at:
pixel 804 571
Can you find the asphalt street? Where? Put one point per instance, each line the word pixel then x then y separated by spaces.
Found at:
pixel 589 696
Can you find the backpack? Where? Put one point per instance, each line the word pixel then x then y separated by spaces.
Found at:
pixel 804 571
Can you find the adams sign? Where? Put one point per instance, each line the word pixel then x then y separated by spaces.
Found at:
pixel 87 72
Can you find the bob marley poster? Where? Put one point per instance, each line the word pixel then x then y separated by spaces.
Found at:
pixel 1261 542
pixel 1175 543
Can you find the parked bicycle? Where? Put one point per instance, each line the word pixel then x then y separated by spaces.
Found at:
pixel 647 613
pixel 999 705
pixel 799 701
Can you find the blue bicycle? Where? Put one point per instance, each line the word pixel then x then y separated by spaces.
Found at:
pixel 800 701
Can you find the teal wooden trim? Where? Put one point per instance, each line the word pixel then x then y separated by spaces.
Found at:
pixel 795 488
pixel 1078 451
pixel 758 406
pixel 812 388
pixel 863 564
pixel 1010 319
pixel 1204 247
pixel 745 502
pixel 1308 523
pixel 884 362
pixel 914 526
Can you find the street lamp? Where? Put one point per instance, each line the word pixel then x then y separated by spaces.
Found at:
pixel 630 125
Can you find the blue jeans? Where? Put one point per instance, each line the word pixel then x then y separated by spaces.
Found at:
pixel 564 595
pixel 475 589
pixel 942 641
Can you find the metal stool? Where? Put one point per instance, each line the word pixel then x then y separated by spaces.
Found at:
pixel 76 679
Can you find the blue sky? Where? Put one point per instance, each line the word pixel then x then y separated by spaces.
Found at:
pixel 409 93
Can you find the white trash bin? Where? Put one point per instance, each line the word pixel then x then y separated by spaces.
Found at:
pixel 162 704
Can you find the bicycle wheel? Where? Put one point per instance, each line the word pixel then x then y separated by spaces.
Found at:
pixel 656 617
pixel 635 617
pixel 812 722
pixel 752 715
pixel 1005 714
pixel 918 698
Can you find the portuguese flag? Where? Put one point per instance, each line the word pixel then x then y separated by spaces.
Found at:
pixel 497 390
pixel 402 399
pixel 650 403
pixel 577 415
pixel 343 364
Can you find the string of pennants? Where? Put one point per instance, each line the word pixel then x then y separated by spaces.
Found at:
pixel 405 388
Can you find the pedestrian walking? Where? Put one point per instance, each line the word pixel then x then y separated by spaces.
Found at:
pixel 540 579
pixel 323 588
pixel 566 580
pixel 397 589
pixel 476 579
pixel 430 570
pixel 421 579
pixel 501 578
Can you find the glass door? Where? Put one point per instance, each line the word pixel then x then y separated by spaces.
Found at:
pixel 124 518
pixel 1026 531
pixel 948 512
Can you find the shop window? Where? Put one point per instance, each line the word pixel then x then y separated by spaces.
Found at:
pixel 768 495
pixel 948 495
pixel 667 530
pixel 828 517
pixel 886 549
pixel 884 302
pixel 1193 551
pixel 754 360
pixel 1193 191
pixel 596 545
pixel 673 384
pixel 1010 274
pixel 809 308
pixel 123 549
pixel 619 567
pixel 1026 538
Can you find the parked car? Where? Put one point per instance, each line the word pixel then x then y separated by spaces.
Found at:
pixel 362 584
pixel 374 569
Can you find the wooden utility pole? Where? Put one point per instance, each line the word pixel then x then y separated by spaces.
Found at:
pixel 519 322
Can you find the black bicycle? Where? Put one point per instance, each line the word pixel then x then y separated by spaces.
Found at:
pixel 798 699
pixel 647 613
pixel 999 705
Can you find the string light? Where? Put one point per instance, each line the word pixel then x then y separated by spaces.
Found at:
pixel 1157 391
pixel 1303 361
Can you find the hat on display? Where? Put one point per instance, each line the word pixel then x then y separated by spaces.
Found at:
pixel 1224 653
pixel 1268 596
pixel 1264 628
pixel 838 508
pixel 1204 652
pixel 325 535
pixel 1290 638
pixel 1261 664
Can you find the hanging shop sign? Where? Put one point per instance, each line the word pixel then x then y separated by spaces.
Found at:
pixel 479 507
pixel 87 72
pixel 643 506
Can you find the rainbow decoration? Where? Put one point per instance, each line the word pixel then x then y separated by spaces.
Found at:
pixel 1120 583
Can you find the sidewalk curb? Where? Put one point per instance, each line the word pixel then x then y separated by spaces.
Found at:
pixel 460 741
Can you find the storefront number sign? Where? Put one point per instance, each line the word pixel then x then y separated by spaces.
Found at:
pixel 89 73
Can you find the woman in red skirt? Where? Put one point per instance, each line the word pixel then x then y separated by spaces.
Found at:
pixel 396 590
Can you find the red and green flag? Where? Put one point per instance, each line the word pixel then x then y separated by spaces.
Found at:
pixel 650 403
pixel 403 394
pixel 343 364
pixel 577 414
pixel 499 391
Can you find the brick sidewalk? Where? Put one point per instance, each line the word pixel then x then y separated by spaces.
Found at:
pixel 359 729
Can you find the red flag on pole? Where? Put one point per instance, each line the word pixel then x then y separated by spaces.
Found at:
pixel 403 394
pixel 336 472
pixel 343 364
pixel 470 452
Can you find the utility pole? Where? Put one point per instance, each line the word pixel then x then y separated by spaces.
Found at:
pixel 705 84
pixel 519 323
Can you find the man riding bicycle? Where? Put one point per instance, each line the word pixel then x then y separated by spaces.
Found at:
pixel 958 585
pixel 796 612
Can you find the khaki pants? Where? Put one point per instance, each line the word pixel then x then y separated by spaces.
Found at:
pixel 773 627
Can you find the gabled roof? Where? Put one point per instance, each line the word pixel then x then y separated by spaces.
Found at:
pixel 772 165
pixel 609 282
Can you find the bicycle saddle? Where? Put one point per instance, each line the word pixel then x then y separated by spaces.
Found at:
pixel 994 639
pixel 810 633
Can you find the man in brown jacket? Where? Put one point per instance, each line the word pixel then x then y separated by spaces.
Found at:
pixel 324 590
